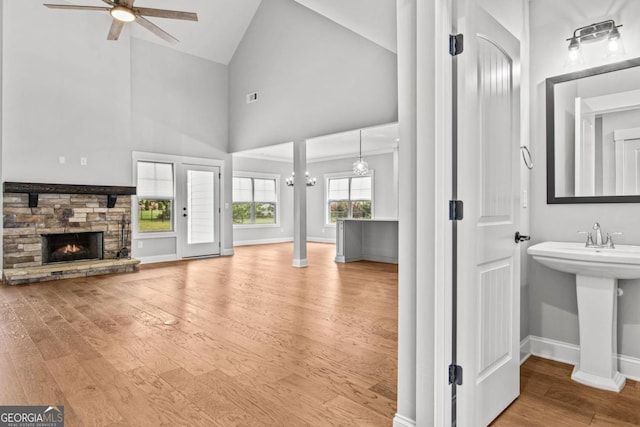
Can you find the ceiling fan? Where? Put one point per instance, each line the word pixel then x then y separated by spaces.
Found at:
pixel 123 11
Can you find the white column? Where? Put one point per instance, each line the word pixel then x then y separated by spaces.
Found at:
pixel 406 18
pixel 424 111
pixel 300 204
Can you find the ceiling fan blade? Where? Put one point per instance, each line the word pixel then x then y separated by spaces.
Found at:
pixel 69 6
pixel 116 29
pixel 163 13
pixel 156 30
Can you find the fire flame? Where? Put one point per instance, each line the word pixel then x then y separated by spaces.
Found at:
pixel 69 249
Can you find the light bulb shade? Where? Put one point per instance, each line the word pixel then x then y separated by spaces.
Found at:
pixel 360 167
pixel 575 57
pixel 122 14
pixel 615 49
pixel 614 34
pixel 574 45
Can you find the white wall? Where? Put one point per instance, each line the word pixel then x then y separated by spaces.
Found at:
pixel 552 307
pixel 385 198
pixel 244 234
pixel 179 102
pixel 313 77
pixel 67 92
pixel 1 109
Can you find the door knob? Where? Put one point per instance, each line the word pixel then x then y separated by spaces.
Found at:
pixel 521 237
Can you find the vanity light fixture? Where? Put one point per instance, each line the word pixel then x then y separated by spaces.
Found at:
pixel 360 167
pixel 605 30
pixel 309 181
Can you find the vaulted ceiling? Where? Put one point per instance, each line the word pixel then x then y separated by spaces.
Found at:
pixel 223 23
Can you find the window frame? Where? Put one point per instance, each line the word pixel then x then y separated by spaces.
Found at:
pixel 258 175
pixel 342 175
pixel 135 224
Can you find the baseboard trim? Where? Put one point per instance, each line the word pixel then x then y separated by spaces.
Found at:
pixel 262 241
pixel 227 252
pixel 554 350
pixel 570 353
pixel 629 367
pixel 402 421
pixel 380 258
pixel 525 350
pixel 157 258
pixel 321 239
pixel 300 263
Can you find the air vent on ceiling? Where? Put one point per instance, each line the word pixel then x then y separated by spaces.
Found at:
pixel 252 97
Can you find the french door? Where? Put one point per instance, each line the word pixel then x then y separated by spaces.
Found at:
pixel 199 210
pixel 487 257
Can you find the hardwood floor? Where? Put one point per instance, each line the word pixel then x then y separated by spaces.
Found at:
pixel 256 343
pixel 550 398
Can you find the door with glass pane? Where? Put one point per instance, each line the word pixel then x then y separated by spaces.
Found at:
pixel 199 212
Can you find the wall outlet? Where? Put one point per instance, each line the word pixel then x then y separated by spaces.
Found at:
pixel 226 205
pixel 83 161
pixel 282 230
pixel 62 160
pixel 323 230
pixel 140 244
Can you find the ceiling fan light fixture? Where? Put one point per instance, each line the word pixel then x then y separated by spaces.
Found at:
pixel 122 14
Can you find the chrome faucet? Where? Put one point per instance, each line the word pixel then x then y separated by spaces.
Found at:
pixel 596 227
pixel 599 243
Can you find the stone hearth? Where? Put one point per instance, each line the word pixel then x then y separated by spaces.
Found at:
pixel 61 213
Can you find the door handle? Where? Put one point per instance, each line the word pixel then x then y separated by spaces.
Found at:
pixel 521 237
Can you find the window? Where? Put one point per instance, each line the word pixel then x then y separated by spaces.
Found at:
pixel 254 200
pixel 349 197
pixel 155 197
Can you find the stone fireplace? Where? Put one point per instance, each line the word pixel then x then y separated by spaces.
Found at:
pixel 54 231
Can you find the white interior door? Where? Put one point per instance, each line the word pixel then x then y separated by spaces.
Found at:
pixel 199 211
pixel 488 259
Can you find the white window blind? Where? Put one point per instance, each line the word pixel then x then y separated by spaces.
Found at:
pixel 339 189
pixel 361 188
pixel 265 190
pixel 155 181
pixel 242 191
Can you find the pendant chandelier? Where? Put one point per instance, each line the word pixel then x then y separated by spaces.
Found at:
pixel 360 167
pixel 310 182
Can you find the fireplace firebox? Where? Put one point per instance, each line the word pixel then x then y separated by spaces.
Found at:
pixel 67 247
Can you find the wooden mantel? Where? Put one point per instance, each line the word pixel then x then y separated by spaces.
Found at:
pixel 33 189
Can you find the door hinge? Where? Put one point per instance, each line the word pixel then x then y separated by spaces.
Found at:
pixel 219 175
pixel 455 374
pixel 456 208
pixel 456 44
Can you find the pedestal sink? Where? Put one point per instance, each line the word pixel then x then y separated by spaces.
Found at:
pixel 597 272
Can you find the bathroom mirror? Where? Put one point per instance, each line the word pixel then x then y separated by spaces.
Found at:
pixel 593 135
